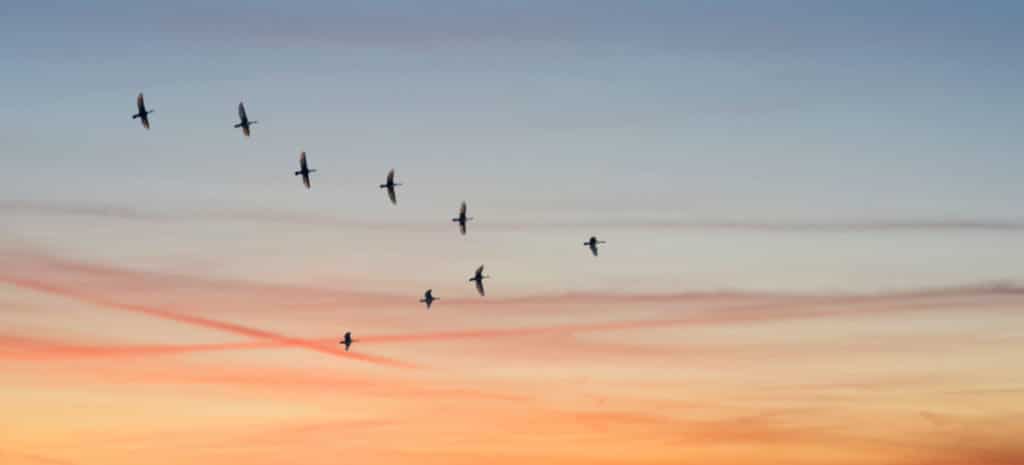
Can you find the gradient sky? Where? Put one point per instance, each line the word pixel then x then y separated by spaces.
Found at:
pixel 814 244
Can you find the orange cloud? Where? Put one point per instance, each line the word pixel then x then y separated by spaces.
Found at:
pixel 208 323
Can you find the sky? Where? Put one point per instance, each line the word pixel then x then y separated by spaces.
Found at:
pixel 813 241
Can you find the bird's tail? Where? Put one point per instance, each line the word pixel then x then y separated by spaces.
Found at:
pixel 238 125
pixel 137 115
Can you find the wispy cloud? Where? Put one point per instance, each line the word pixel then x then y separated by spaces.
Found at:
pixel 320 220
pixel 15 347
pixel 208 323
pixel 44 273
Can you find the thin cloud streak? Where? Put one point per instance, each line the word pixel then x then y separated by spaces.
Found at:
pixel 739 314
pixel 226 327
pixel 317 219
pixel 774 309
pixel 139 279
pixel 20 348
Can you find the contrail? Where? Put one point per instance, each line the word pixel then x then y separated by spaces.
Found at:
pixel 818 307
pixel 222 326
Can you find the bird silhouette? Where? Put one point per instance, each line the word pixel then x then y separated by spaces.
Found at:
pixel 390 186
pixel 462 219
pixel 143 114
pixel 592 243
pixel 479 278
pixel 244 120
pixel 428 298
pixel 347 340
pixel 304 170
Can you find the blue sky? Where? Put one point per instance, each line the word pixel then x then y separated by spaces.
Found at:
pixel 533 111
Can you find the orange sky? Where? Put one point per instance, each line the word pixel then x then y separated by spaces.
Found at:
pixel 104 363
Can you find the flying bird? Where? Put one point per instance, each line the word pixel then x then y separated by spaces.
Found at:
pixel 245 123
pixel 428 298
pixel 304 170
pixel 143 114
pixel 462 219
pixel 592 243
pixel 479 278
pixel 390 186
pixel 347 341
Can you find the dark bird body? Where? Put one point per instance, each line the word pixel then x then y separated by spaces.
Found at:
pixel 479 278
pixel 390 186
pixel 462 219
pixel 304 170
pixel 347 340
pixel 143 114
pixel 244 122
pixel 428 298
pixel 592 243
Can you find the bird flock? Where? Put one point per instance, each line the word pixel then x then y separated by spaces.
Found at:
pixel 389 185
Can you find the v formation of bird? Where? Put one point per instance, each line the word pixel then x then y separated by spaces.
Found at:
pixel 389 186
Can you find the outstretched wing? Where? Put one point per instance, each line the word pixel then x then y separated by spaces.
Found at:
pixel 304 169
pixel 462 227
pixel 139 102
pixel 480 286
pixel 145 120
pixel 479 271
pixel 593 248
pixel 391 177
pixel 245 130
pixel 462 210
pixel 391 194
pixel 241 112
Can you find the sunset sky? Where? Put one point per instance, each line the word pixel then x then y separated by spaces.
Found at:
pixel 812 214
